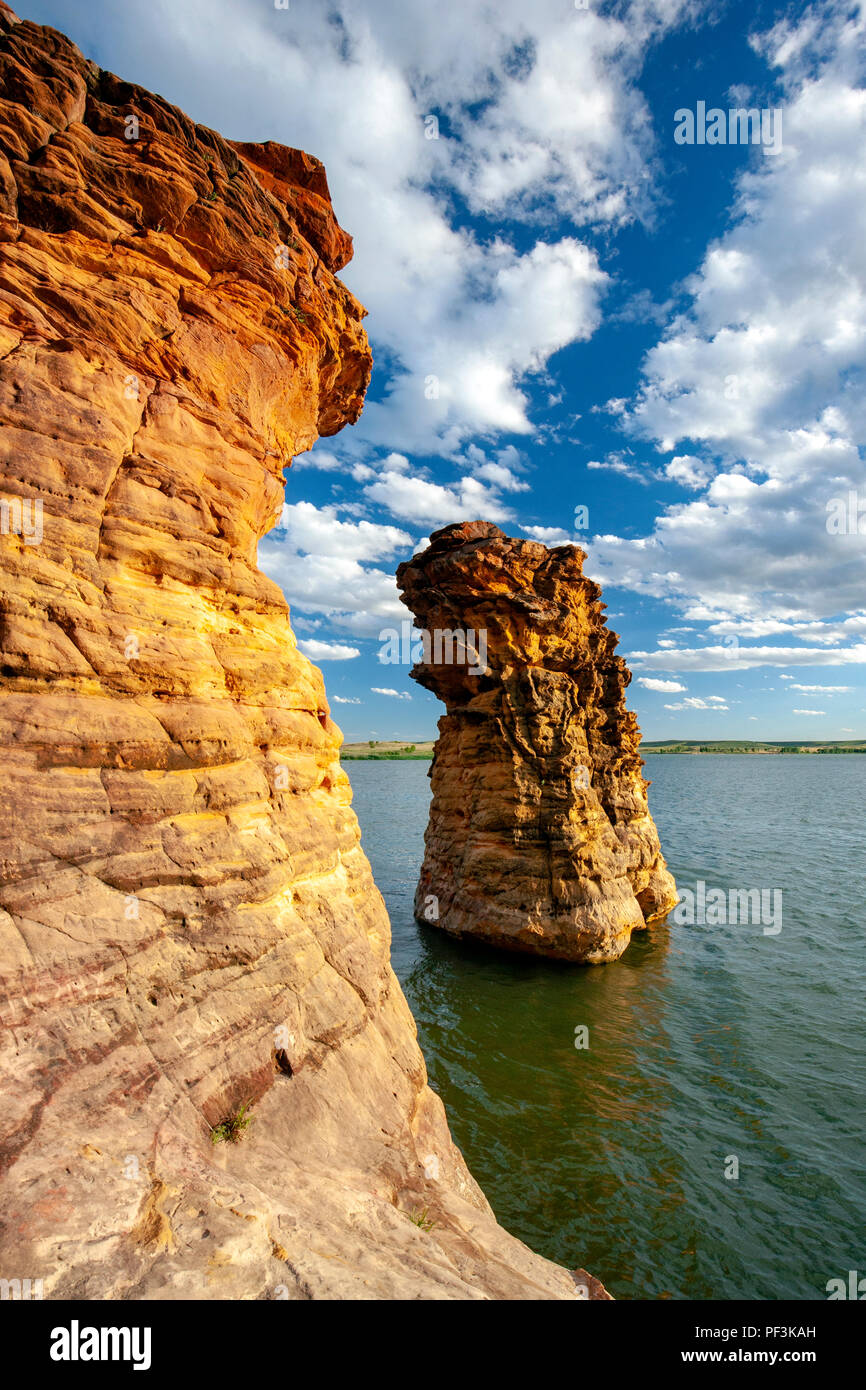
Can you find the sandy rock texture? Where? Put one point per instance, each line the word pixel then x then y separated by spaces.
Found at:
pixel 187 920
pixel 540 837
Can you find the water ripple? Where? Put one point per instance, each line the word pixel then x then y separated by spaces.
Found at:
pixel 706 1044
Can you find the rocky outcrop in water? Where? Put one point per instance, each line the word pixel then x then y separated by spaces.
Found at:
pixel 189 932
pixel 540 837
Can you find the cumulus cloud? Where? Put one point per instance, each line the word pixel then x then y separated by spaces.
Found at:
pixel 327 651
pixel 829 633
pixel 821 689
pixel 414 499
pixel 502 476
pixel 323 459
pixel 537 116
pixel 345 700
pixel 667 687
pixel 460 366
pixel 765 369
pixel 395 694
pixel 321 562
pixel 694 702
pixel 688 470
pixel 753 396
pixel 741 658
pixel 536 148
pixel 548 535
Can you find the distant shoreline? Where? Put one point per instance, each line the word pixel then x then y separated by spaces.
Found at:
pixel 386 757
pixel 393 751
pixel 387 750
pixel 697 746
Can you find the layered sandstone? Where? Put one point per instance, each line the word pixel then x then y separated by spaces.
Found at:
pixel 540 837
pixel 188 922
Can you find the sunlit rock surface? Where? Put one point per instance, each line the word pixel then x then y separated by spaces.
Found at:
pixel 540 838
pixel 188 922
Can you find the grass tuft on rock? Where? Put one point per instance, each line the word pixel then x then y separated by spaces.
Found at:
pixel 232 1130
pixel 421 1219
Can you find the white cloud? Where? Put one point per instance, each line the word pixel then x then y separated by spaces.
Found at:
pixel 397 463
pixel 689 471
pixel 321 532
pixel 742 658
pixel 759 382
pixel 617 463
pixel 462 361
pixel 831 633
pixel 549 535
pixel 765 370
pixel 539 117
pixel 414 499
pixel 318 560
pixel 694 702
pixel 395 694
pixel 327 651
pixel 325 460
pixel 536 146
pixel 344 700
pixel 810 711
pixel 821 689
pixel 502 476
pixel 668 687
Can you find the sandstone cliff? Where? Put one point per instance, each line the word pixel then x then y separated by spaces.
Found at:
pixel 540 837
pixel 188 922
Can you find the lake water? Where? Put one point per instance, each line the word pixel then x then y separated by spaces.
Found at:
pixel 706 1043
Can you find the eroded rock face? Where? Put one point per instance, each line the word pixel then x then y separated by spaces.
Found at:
pixel 188 922
pixel 540 837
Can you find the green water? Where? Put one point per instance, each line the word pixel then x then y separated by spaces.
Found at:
pixel 705 1043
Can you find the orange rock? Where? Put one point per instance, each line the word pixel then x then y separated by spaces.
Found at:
pixel 540 837
pixel 187 920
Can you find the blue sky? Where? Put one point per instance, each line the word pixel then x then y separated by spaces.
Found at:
pixel 568 308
